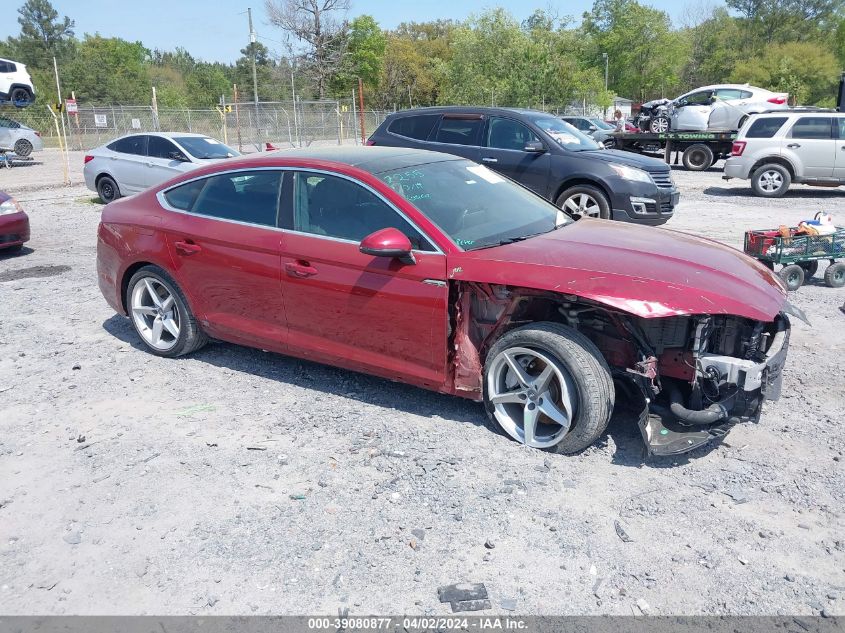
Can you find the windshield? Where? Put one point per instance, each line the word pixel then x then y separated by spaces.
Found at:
pixel 602 125
pixel 204 147
pixel 565 134
pixel 473 205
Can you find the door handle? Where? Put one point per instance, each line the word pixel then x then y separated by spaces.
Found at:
pixel 187 248
pixel 300 269
pixel 793 145
pixel 487 159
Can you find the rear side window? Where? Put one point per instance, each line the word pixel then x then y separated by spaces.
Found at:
pixel 765 128
pixel 459 131
pixel 416 127
pixel 813 127
pixel 243 196
pixel 8 67
pixel 183 197
pixel 130 145
pixel 732 93
pixel 841 125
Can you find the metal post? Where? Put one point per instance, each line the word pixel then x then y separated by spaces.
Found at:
pixel 606 63
pixel 64 134
pixel 252 46
pixel 361 110
pixel 354 112
pixel 293 95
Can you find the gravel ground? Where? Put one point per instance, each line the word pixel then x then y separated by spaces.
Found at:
pixel 237 482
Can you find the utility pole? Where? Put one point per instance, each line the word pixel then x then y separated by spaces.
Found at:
pixel 606 63
pixel 252 49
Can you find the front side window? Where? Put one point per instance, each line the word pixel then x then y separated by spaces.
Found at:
pixel 459 131
pixel 473 205
pixel 337 207
pixel 417 127
pixel 205 147
pixel 243 196
pixel 813 127
pixel 136 145
pixel 508 134
pixel 697 98
pixel 159 147
pixel 765 128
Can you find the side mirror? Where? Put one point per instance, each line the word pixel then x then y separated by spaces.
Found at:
pixel 388 242
pixel 592 128
pixel 179 156
pixel 535 147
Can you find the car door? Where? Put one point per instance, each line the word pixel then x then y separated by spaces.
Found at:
pixel 839 164
pixel 164 161
pixel 458 134
pixel 504 151
pixel 692 112
pixel 728 108
pixel 6 134
pixel 223 238
pixel 812 145
pixel 376 314
pixel 127 163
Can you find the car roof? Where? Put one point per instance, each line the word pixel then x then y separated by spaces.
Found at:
pixel 469 110
pixel 375 159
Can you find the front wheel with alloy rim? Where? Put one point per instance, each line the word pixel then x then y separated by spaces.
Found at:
pixel 834 275
pixel 771 181
pixel 107 189
pixel 23 147
pixel 659 125
pixel 547 386
pixel 584 201
pixel 160 314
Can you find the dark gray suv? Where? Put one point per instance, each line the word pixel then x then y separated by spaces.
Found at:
pixel 545 154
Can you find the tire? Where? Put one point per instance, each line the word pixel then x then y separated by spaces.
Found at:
pixel 107 189
pixel 834 276
pixel 583 201
pixel 609 143
pixel 144 311
pixel 572 360
pixel 810 268
pixel 792 275
pixel 771 180
pixel 698 157
pixel 20 95
pixel 659 124
pixel 23 147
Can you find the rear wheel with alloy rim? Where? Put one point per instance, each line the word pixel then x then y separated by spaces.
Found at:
pixel 20 96
pixel 23 147
pixel 584 201
pixel 160 314
pixel 547 386
pixel 107 189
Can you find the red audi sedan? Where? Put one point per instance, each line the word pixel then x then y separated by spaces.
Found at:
pixel 436 271
pixel 14 224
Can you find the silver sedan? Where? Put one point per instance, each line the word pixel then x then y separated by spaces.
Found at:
pixel 18 138
pixel 135 162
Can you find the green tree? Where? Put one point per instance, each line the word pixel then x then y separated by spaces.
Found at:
pixel 264 73
pixel 121 76
pixel 206 83
pixel 43 35
pixel 364 58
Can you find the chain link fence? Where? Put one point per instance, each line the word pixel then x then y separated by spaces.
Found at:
pixel 248 127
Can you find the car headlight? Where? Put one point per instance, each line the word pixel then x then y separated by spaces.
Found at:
pixel 10 206
pixel 630 173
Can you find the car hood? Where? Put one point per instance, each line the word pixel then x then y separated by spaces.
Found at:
pixel 626 158
pixel 645 271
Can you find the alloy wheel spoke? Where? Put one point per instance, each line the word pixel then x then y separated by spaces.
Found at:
pixel 541 382
pixel 167 304
pixel 529 422
pixel 158 328
pixel 145 310
pixel 517 370
pixel 152 292
pixel 551 410
pixel 170 325
pixel 509 397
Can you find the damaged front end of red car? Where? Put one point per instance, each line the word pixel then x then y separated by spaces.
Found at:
pixel 690 377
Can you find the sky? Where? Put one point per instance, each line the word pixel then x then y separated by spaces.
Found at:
pixel 218 33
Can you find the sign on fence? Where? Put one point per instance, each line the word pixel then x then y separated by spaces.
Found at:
pixel 136 124
pixel 70 106
pixel 101 120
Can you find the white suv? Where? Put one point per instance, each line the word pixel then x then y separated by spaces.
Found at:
pixel 776 149
pixel 15 83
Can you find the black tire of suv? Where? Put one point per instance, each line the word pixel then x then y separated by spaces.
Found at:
pixel 596 193
pixel 23 147
pixel 792 275
pixel 834 276
pixel 698 157
pixel 771 167
pixel 20 95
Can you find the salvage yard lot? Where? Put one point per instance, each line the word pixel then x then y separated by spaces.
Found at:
pixel 238 481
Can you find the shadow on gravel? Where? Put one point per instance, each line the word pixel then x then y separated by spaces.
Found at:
pixel 308 375
pixel 797 194
pixel 34 271
pixel 11 254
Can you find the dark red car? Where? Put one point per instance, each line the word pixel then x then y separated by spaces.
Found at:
pixel 14 224
pixel 433 270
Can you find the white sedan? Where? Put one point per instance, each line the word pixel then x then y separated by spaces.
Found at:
pixel 721 107
pixel 132 163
